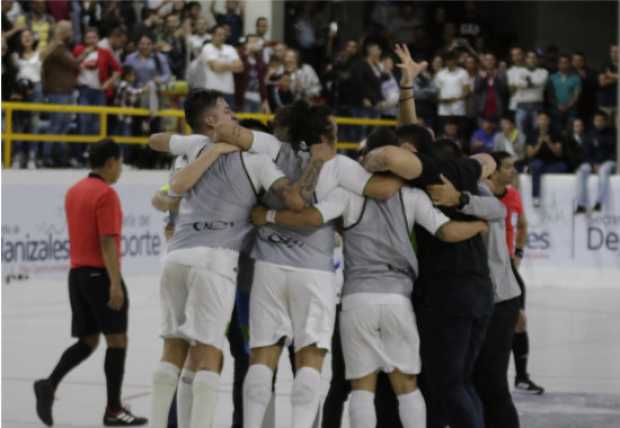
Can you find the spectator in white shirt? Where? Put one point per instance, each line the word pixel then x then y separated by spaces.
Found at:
pixel 516 69
pixel 199 37
pixel 221 61
pixel 453 85
pixel 529 84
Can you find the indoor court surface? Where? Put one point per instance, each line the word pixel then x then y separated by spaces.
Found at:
pixel 575 354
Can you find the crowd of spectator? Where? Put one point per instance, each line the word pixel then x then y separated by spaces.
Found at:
pixel 551 110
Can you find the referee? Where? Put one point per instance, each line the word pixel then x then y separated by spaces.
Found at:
pixel 98 296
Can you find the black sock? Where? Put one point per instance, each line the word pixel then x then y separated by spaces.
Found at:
pixel 521 350
pixel 70 359
pixel 114 368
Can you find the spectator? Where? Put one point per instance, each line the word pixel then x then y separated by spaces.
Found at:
pixel 608 78
pixel 27 87
pixel 426 92
pixel 99 72
pixel 452 82
pixel 127 95
pixel 12 10
pixel 516 70
pixel 566 89
pixel 529 84
pixel 483 139
pixel 599 157
pixel 115 43
pixel 471 107
pixel 37 21
pixel 366 86
pixel 436 65
pixel 390 91
pixel 233 18
pixel 304 82
pixel 544 153
pixel 589 86
pixel 573 145
pixel 250 86
pixel 221 61
pixel 491 89
pixel 262 28
pixel 172 43
pixel 150 25
pixel 510 140
pixel 451 131
pixel 59 77
pixel 89 16
pixel 199 37
pixel 152 71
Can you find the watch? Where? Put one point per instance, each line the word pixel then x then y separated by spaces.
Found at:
pixel 463 200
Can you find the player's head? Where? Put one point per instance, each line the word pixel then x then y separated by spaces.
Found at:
pixel 205 109
pixel 311 125
pixel 380 137
pixel 445 149
pixel 505 172
pixel 105 158
pixel 415 138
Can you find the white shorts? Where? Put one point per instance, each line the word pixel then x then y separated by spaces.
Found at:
pixel 379 337
pixel 196 301
pixel 297 304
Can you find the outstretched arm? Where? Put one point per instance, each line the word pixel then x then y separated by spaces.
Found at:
pixel 307 217
pixel 398 161
pixel 485 207
pixel 185 179
pixel 409 71
pixel 160 142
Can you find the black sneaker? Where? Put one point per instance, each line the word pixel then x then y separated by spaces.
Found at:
pixel 526 385
pixel 122 418
pixel 44 392
pixel 597 208
pixel 580 210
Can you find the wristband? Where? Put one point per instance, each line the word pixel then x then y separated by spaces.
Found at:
pixel 519 252
pixel 406 87
pixel 270 217
pixel 402 100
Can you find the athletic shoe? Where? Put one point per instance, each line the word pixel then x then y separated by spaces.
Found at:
pixel 536 202
pixel 597 208
pixel 44 393
pixel 122 418
pixel 580 210
pixel 526 385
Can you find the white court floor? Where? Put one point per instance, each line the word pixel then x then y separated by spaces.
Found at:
pixel 575 354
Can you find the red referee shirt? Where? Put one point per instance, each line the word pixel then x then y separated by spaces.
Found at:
pixel 514 207
pixel 93 210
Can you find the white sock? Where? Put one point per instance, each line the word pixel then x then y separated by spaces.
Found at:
pixel 205 399
pixel 305 397
pixel 362 409
pixel 256 395
pixel 164 384
pixel 185 398
pixel 412 409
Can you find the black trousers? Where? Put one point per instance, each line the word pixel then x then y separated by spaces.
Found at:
pixel 491 371
pixel 449 348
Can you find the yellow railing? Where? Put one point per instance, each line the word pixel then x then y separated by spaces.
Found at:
pixel 8 136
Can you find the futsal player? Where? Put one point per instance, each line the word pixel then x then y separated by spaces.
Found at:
pixel 97 292
pixel 198 282
pixel 515 213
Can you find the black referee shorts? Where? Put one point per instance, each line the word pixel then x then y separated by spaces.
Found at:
pixel 521 284
pixel 89 292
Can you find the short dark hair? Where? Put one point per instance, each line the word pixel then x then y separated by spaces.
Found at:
pixel 499 157
pixel 451 55
pixel 601 113
pixel 564 55
pixel 380 137
pixel 579 53
pixel 101 151
pixel 446 149
pixel 91 30
pixel 308 123
pixel 545 113
pixel 254 125
pixel 509 117
pixel 127 69
pixel 118 31
pixel 197 102
pixel 260 18
pixel 417 135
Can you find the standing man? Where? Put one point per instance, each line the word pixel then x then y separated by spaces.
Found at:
pixel 566 86
pixel 99 302
pixel 220 62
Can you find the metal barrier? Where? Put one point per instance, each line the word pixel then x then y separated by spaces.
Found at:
pixel 8 136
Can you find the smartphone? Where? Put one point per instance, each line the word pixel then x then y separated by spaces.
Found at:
pixel 333 27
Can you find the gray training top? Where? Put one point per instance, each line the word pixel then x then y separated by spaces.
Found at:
pixel 308 248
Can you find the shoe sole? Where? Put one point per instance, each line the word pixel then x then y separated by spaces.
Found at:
pixel 50 423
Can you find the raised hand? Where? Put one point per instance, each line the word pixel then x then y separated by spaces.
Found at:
pixel 409 68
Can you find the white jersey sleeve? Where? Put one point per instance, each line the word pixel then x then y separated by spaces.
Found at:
pixel 341 203
pixel 261 170
pixel 188 145
pixel 351 175
pixel 265 144
pixel 419 209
